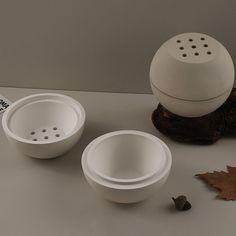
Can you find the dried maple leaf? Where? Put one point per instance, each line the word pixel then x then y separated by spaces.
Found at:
pixel 225 182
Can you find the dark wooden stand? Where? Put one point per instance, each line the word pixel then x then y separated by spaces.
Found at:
pixel 201 130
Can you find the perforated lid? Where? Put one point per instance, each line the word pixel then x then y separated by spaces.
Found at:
pixel 193 48
pixel 192 66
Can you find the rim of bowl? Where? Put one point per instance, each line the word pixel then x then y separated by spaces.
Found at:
pixel 130 183
pixel 74 104
pixel 105 137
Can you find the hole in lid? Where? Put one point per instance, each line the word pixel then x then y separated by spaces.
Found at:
pixel 209 53
pixel 57 135
pixel 190 40
pixel 205 45
pixel 46 137
pixel 196 54
pixel 54 128
pixel 178 41
pixel 44 130
pixel 35 139
pixel 202 38
pixel 193 46
pixel 32 133
pixel 184 55
pixel 181 48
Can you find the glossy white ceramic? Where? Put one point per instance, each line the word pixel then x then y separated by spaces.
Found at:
pixel 44 125
pixel 126 166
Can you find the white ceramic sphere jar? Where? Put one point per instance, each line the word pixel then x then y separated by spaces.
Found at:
pixel 192 74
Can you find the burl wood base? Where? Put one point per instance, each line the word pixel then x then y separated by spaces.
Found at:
pixel 201 130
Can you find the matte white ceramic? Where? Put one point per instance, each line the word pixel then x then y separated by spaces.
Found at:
pixel 126 166
pixel 189 108
pixel 44 125
pixel 192 74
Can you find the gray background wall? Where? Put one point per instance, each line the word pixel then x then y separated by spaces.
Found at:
pixel 99 45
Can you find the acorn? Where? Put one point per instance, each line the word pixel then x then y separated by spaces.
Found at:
pixel 181 203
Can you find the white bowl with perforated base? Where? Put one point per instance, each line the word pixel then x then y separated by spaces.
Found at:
pixel 44 125
pixel 192 74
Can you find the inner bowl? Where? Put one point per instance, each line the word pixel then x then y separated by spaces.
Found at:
pixel 126 156
pixel 43 118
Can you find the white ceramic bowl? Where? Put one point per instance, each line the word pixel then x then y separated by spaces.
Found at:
pixel 192 74
pixel 44 125
pixel 126 166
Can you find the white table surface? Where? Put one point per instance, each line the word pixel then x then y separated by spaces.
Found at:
pixel 52 198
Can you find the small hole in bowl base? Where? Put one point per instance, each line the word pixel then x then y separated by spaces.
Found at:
pixel 35 139
pixel 57 135
pixel 46 137
pixel 44 130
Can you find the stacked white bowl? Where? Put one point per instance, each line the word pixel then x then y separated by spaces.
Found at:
pixel 126 166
